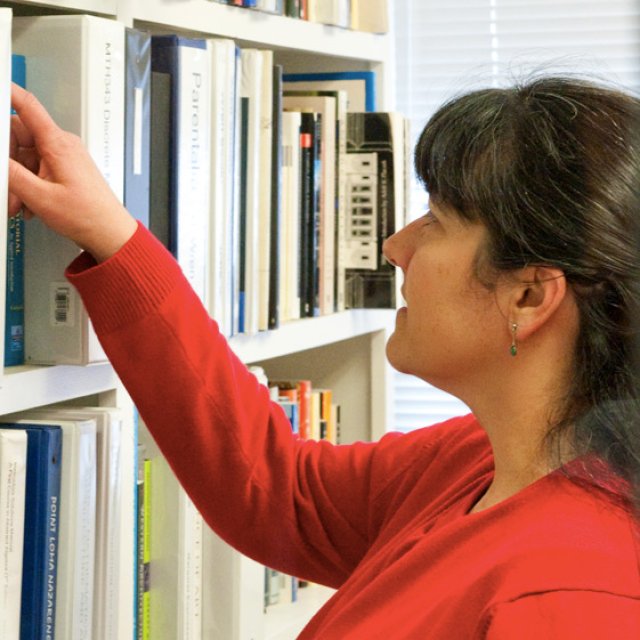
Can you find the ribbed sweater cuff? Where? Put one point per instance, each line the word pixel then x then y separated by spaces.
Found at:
pixel 127 286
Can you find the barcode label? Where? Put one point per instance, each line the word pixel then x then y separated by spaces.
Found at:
pixel 62 304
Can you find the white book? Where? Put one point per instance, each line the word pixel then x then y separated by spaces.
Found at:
pixel 234 592
pixel 77 529
pixel 370 15
pixel 75 66
pixel 223 112
pixel 265 177
pixel 13 477
pixel 250 106
pixel 5 102
pixel 175 530
pixel 326 106
pixel 333 12
pixel 290 261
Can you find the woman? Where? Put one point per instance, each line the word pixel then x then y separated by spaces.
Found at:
pixel 521 279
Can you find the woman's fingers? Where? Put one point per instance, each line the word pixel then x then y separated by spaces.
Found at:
pixel 38 128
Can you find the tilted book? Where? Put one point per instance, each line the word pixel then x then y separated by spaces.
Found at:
pixel 75 67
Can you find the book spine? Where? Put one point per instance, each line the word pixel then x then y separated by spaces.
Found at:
pixel 42 521
pixel 290 241
pixel 14 292
pixel 266 177
pixel 186 60
pixel 275 253
pixel 13 473
pixel 14 327
pixel 306 213
pixel 160 149
pixel 137 125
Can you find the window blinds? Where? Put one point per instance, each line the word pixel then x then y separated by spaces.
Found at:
pixel 447 47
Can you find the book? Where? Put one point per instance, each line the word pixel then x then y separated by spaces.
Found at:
pixel 143 548
pixel 187 63
pixel 309 214
pixel 275 198
pixel 77 548
pixel 137 123
pixel 41 526
pixel 234 606
pixel 5 105
pixel 325 106
pixel 13 476
pixel 332 12
pixel 14 318
pixel 159 163
pixel 376 204
pixel 359 85
pixel 223 260
pixel 176 532
pixel 75 67
pixel 113 559
pixel 370 15
pixel 289 277
pixel 249 205
pixel 340 97
pixel 14 292
pixel 266 175
pixel 77 522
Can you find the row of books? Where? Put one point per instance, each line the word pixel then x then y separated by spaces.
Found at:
pixel 63 510
pixel 313 415
pixel 273 191
pixel 360 15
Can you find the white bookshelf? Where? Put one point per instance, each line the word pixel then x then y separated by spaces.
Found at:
pixel 344 351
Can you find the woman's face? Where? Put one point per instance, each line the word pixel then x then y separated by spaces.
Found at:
pixel 451 329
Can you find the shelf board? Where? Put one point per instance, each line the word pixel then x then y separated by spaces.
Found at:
pixel 312 333
pixel 25 387
pixel 105 7
pixel 258 28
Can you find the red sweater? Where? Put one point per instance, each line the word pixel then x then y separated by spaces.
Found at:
pixel 386 523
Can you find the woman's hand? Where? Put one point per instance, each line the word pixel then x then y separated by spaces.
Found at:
pixel 52 176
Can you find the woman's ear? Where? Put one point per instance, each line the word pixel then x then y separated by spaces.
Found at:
pixel 536 296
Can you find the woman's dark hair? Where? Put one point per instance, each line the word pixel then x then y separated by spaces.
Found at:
pixel 551 168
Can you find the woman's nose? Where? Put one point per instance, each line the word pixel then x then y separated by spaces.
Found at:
pixel 397 249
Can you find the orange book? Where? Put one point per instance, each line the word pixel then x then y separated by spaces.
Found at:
pixel 304 399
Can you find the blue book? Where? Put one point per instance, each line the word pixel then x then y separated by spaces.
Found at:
pixel 14 303
pixel 137 123
pixel 42 512
pixel 359 85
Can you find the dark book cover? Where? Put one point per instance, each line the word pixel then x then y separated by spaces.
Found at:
pixel 371 209
pixel 276 201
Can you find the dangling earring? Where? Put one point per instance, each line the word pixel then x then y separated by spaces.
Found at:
pixel 513 349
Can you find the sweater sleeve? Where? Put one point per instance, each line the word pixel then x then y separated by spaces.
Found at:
pixel 566 615
pixel 299 506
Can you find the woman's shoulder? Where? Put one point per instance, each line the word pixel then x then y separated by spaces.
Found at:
pixel 575 536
